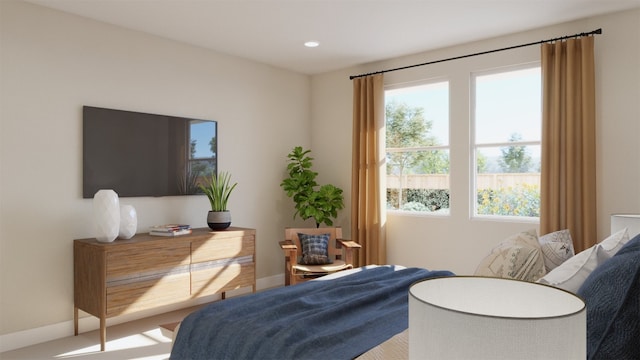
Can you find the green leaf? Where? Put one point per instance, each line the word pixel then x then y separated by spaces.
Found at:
pixel 218 189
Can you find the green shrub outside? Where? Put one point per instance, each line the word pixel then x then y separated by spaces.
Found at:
pixel 520 200
pixel 419 199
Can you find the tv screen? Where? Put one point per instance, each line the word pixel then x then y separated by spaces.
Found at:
pixel 140 154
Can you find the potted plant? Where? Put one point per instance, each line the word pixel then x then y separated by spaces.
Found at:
pixel 218 188
pixel 312 200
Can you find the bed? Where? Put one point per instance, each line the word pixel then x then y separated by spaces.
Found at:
pixel 340 316
pixel 362 313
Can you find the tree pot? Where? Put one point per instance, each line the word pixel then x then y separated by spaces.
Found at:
pixel 219 220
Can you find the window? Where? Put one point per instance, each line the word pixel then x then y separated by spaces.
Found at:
pixel 507 120
pixel 417 147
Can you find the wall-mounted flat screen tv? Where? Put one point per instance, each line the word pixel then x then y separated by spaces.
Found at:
pixel 140 154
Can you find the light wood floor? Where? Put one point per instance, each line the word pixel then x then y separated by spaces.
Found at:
pixel 141 339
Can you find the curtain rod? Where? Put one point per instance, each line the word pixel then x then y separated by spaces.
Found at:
pixel 598 31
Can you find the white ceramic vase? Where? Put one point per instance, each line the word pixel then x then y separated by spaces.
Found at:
pixel 128 221
pixel 106 211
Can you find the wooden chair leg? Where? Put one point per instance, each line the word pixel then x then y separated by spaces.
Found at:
pixel 287 272
pixel 348 256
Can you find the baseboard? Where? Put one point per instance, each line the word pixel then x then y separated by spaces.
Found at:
pixel 51 332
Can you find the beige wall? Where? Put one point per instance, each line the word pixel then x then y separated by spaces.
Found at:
pixel 52 63
pixel 458 242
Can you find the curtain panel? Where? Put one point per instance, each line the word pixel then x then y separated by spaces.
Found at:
pixel 367 173
pixel 568 164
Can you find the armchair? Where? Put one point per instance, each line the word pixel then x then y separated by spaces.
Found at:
pixel 339 251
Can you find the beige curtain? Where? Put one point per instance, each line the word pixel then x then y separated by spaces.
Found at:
pixel 367 196
pixel 568 174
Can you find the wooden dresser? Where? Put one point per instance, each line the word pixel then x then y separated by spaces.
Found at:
pixel 146 271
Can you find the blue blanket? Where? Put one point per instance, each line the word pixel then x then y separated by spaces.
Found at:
pixel 612 295
pixel 333 319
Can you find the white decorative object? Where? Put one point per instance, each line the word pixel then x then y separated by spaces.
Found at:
pixel 106 210
pixel 468 317
pixel 128 222
pixel 629 221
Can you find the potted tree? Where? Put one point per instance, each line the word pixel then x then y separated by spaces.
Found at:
pixel 218 188
pixel 311 200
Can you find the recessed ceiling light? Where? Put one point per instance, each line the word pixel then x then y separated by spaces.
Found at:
pixel 311 44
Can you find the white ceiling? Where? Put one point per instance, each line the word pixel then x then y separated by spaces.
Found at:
pixel 350 32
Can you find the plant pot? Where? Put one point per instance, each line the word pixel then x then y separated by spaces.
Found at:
pixel 219 220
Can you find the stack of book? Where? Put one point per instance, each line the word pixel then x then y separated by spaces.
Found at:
pixel 170 230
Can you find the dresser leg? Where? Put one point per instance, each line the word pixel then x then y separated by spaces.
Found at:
pixel 224 295
pixel 103 333
pixel 75 321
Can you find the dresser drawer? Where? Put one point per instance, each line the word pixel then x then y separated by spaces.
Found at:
pixel 223 248
pixel 227 277
pixel 144 258
pixel 125 297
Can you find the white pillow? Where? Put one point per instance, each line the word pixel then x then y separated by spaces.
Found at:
pixel 557 247
pixel 517 257
pixel 572 273
pixel 615 242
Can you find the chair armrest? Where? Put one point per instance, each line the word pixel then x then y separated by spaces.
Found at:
pixel 290 251
pixel 290 258
pixel 349 244
pixel 348 249
pixel 288 245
